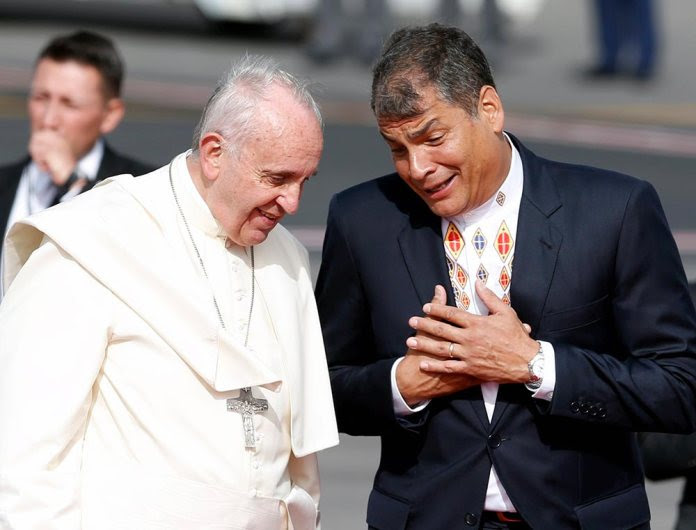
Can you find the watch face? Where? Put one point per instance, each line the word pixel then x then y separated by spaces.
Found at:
pixel 536 368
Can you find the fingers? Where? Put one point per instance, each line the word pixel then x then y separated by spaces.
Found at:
pixel 53 154
pixel 440 296
pixel 451 314
pixel 488 297
pixel 446 349
pixel 442 367
pixel 437 329
pixel 527 328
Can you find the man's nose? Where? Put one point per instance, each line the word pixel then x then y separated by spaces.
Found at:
pixel 290 200
pixel 50 119
pixel 420 164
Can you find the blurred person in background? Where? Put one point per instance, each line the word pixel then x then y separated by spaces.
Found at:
pixel 161 359
pixel 508 399
pixel 74 100
pixel 336 32
pixel 626 39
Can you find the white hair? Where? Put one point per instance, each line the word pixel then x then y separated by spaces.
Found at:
pixel 231 109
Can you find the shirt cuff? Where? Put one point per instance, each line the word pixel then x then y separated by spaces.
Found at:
pixel 401 408
pixel 548 382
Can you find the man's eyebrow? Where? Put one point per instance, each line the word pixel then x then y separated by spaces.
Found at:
pixel 282 173
pixel 424 129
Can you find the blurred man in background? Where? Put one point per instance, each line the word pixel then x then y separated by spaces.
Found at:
pixel 74 100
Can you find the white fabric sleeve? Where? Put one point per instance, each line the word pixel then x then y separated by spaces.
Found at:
pixel 548 383
pixel 303 506
pixel 53 339
pixel 401 408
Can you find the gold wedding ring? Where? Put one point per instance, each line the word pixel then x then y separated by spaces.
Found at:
pixel 451 349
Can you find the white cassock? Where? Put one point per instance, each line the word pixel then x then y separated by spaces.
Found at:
pixel 115 370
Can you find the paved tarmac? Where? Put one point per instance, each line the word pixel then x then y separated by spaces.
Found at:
pixel 170 73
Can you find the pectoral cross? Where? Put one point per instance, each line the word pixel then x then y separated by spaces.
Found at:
pixel 247 405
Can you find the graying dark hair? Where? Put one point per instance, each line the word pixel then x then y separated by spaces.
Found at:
pixel 231 109
pixel 413 59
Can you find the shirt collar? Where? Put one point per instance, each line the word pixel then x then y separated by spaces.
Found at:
pixel 89 164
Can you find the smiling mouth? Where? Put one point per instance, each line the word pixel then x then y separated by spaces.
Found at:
pixel 440 187
pixel 269 216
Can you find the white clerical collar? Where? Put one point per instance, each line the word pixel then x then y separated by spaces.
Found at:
pixel 194 207
pixel 511 188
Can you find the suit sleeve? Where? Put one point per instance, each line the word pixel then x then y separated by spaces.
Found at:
pixel 360 382
pixel 53 338
pixel 648 381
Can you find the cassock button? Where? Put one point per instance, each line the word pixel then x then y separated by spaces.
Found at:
pixel 470 519
pixel 494 441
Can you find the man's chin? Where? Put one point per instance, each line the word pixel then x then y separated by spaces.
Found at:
pixel 256 237
pixel 443 210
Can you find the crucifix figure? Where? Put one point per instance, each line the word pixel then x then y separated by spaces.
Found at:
pixel 247 405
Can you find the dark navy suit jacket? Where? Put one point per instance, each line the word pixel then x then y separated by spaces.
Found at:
pixel 596 273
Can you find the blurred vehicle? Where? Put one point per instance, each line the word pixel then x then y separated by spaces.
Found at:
pixel 276 15
pixel 257 11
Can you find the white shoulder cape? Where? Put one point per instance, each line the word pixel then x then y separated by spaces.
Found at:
pixel 118 232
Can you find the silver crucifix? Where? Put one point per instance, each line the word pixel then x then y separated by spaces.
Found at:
pixel 247 405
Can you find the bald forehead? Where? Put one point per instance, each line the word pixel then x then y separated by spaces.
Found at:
pixel 282 107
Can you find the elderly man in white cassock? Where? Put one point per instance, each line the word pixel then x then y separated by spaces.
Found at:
pixel 161 360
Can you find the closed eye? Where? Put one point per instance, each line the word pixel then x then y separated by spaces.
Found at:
pixel 398 151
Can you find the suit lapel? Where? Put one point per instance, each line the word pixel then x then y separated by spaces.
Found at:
pixel 108 166
pixel 539 239
pixel 420 241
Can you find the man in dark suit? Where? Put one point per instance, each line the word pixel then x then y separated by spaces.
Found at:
pixel 515 405
pixel 74 100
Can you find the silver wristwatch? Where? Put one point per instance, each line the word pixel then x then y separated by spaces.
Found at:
pixel 536 371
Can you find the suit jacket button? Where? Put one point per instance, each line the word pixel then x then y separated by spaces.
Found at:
pixel 494 441
pixel 574 407
pixel 593 411
pixel 584 408
pixel 602 412
pixel 470 519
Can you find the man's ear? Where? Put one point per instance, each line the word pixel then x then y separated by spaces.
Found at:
pixel 490 108
pixel 210 151
pixel 113 114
